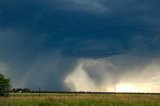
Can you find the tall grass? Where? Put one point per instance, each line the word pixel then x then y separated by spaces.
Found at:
pixel 81 100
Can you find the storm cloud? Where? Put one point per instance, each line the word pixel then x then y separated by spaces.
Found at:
pixel 45 42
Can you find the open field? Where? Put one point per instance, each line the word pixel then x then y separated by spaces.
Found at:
pixel 80 99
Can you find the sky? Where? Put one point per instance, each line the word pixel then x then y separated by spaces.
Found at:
pixel 81 45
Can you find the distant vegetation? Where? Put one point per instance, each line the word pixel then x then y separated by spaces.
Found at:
pixel 21 90
pixel 4 86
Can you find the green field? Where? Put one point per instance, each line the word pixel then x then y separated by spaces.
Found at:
pixel 72 99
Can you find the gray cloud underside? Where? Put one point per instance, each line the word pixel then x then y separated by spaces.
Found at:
pixel 33 33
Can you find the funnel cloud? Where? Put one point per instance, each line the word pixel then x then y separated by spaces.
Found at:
pixel 81 45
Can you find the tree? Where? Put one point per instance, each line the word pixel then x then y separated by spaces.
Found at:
pixel 4 85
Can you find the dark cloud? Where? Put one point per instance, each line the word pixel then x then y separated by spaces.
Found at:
pixel 33 33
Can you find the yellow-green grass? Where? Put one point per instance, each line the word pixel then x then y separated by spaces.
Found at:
pixel 71 99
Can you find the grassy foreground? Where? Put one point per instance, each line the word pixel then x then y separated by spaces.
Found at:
pixel 67 99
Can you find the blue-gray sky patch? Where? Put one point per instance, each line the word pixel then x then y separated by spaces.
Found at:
pixel 70 30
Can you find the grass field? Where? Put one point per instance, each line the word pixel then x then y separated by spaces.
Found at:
pixel 72 99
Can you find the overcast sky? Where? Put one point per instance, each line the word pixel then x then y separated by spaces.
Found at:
pixel 42 41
